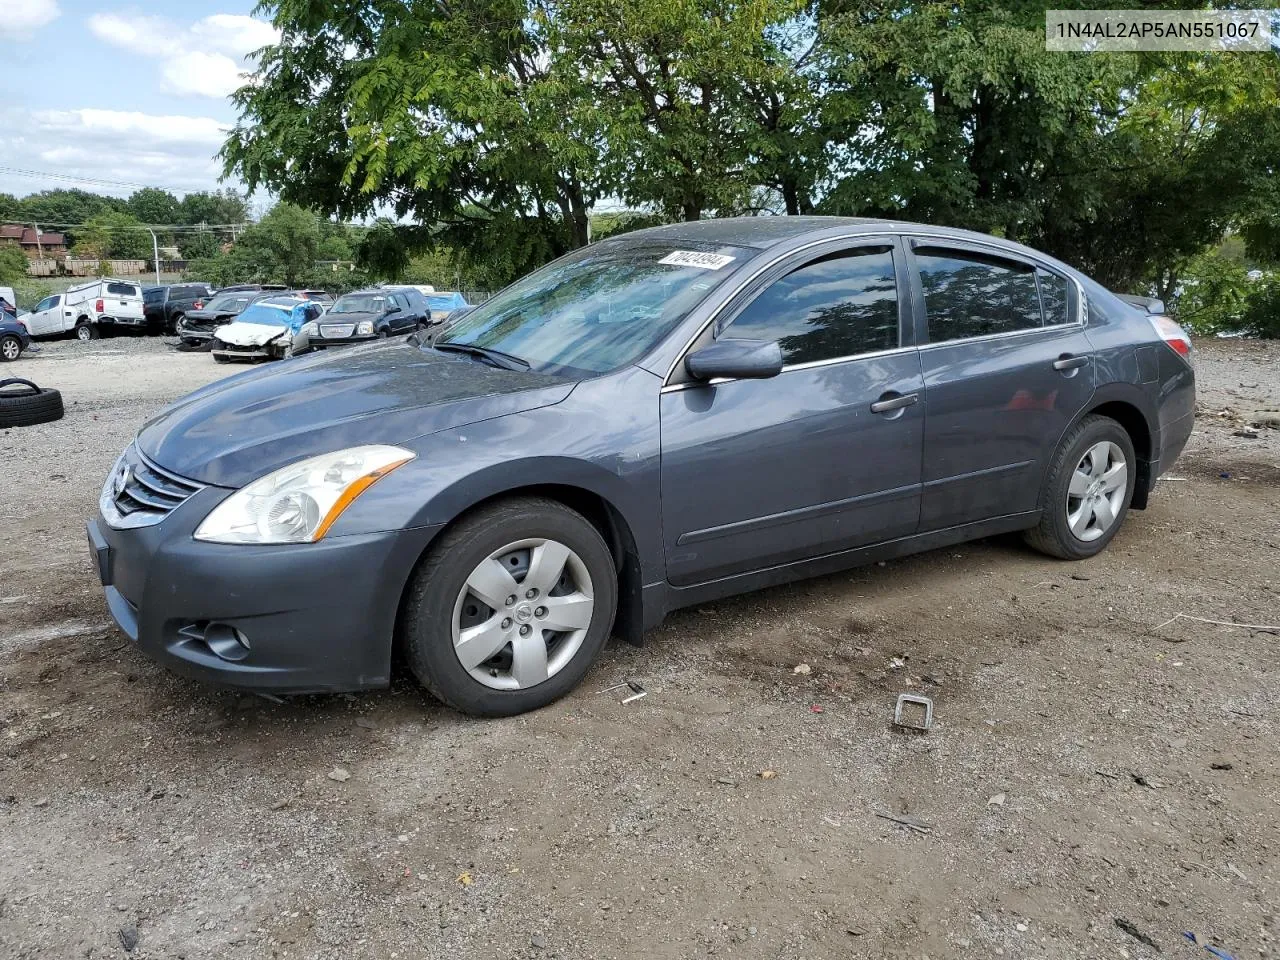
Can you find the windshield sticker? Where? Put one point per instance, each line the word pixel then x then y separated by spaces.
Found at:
pixel 691 258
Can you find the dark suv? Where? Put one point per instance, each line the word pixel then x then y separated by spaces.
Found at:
pixel 163 307
pixel 367 314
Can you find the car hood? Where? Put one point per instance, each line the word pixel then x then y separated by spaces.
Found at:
pixel 234 431
pixel 249 334
pixel 349 317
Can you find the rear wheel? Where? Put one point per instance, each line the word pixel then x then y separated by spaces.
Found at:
pixel 86 331
pixel 10 348
pixel 510 608
pixel 1087 491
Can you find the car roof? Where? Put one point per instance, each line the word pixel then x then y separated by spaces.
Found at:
pixel 282 301
pixel 373 292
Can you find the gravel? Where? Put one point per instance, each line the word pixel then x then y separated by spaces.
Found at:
pixel 211 825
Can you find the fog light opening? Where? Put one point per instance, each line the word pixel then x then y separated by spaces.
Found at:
pixel 226 641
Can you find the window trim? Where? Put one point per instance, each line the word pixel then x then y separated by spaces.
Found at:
pixel 768 274
pixel 916 240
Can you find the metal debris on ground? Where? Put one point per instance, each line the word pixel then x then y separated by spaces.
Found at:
pixel 919 826
pixel 1264 627
pixel 900 718
pixel 803 669
pixel 637 691
pixel 1137 934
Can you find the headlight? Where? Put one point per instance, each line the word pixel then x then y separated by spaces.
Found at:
pixel 311 329
pixel 300 502
pixel 365 328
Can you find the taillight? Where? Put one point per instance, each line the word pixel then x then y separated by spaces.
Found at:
pixel 97 306
pixel 1172 334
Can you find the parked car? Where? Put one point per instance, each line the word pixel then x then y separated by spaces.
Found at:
pixel 268 329
pixel 197 328
pixel 444 305
pixel 163 307
pixel 13 339
pixel 8 302
pixel 322 297
pixel 88 308
pixel 368 314
pixel 656 420
pixel 255 287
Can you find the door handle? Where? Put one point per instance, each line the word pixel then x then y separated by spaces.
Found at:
pixel 1068 362
pixel 888 403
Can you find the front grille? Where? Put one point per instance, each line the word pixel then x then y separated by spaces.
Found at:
pixel 143 493
pixel 336 330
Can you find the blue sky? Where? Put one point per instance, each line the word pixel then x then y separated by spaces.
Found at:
pixel 134 93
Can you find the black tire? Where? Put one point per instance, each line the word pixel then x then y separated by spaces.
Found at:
pixel 10 347
pixel 91 331
pixel 23 404
pixel 433 591
pixel 1053 534
pixel 383 334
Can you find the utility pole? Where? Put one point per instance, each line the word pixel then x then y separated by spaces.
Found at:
pixel 155 246
pixel 39 246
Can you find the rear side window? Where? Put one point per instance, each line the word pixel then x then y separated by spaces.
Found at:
pixel 840 306
pixel 972 295
pixel 1055 296
pixel 188 293
pixel 122 290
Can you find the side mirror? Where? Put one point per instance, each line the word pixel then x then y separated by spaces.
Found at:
pixel 393 309
pixel 738 359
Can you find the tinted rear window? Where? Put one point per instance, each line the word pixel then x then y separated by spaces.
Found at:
pixel 972 295
pixel 123 290
pixel 188 292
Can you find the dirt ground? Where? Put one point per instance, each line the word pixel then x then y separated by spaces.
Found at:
pixel 1094 772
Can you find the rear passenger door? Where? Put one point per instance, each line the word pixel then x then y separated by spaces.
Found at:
pixel 1007 368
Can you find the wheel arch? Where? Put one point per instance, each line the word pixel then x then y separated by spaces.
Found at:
pixel 1128 410
pixel 598 510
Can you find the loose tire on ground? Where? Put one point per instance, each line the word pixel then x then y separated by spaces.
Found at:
pixel 23 404
pixel 1054 535
pixel 435 596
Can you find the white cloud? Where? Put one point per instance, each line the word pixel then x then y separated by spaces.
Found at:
pixel 207 58
pixel 175 152
pixel 22 18
pixel 202 74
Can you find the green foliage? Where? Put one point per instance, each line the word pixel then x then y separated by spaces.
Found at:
pixel 56 208
pixel 1213 295
pixel 152 206
pixel 383 251
pixel 113 236
pixel 1261 315
pixel 198 246
pixel 219 207
pixel 13 265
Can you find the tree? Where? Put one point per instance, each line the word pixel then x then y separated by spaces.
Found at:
pixel 282 247
pixel 113 236
pixel 199 245
pixel 13 265
pixel 152 206
pixel 223 207
pixel 62 208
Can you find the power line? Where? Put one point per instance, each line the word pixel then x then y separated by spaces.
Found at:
pixel 70 178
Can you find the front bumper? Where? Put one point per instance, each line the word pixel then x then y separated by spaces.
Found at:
pixel 312 617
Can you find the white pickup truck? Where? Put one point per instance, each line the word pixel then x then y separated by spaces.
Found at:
pixel 88 307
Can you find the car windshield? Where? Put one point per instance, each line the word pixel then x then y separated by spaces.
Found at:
pixel 231 302
pixel 360 303
pixel 268 313
pixel 598 309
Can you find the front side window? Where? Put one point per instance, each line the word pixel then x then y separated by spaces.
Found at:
pixel 839 306
pixel 48 303
pixel 973 295
pixel 600 308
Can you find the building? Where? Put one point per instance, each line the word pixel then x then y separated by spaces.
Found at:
pixel 48 245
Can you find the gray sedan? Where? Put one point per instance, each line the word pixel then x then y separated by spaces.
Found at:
pixel 656 420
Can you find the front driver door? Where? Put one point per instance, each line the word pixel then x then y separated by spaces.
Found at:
pixel 823 457
pixel 46 318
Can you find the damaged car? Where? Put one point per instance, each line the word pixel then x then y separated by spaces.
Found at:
pixel 273 328
pixel 197 327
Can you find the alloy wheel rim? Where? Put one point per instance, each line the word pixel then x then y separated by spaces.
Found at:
pixel 10 349
pixel 1095 495
pixel 82 332
pixel 522 614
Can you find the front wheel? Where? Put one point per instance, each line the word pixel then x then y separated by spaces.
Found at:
pixel 10 348
pixel 510 608
pixel 1087 491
